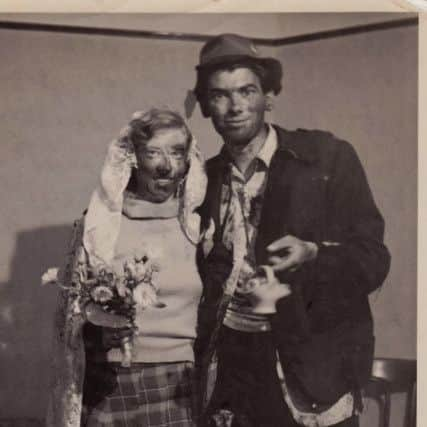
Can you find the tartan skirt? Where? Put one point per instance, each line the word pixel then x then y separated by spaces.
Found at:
pixel 144 395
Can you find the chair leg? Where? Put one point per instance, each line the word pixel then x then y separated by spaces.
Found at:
pixel 387 405
pixel 381 409
pixel 412 400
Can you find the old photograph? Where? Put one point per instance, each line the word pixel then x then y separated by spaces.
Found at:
pixel 208 220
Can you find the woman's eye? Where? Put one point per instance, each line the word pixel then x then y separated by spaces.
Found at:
pixel 178 154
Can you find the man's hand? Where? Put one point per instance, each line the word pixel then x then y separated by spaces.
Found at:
pixel 289 253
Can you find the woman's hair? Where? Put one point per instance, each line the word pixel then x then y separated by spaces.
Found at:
pixel 270 82
pixel 143 128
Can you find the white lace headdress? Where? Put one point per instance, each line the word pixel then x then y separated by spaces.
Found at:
pixel 103 218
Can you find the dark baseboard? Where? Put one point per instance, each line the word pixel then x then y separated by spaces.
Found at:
pixel 21 422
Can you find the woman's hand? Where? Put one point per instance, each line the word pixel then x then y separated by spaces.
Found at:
pixel 102 339
pixel 113 338
pixel 104 330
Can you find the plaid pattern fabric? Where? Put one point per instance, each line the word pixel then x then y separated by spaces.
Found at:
pixel 144 395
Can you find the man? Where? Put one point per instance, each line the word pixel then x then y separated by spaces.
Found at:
pixel 297 350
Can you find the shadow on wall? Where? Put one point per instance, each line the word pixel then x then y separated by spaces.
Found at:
pixel 26 322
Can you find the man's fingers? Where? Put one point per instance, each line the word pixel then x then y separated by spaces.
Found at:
pixel 275 260
pixel 282 243
pixel 283 264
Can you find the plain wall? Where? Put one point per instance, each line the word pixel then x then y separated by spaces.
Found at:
pixel 64 97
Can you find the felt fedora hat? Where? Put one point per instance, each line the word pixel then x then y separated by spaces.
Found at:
pixel 231 48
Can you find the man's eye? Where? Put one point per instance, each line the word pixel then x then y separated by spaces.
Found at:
pixel 216 96
pixel 151 154
pixel 247 91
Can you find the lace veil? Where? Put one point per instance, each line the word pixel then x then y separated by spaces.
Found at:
pixel 102 221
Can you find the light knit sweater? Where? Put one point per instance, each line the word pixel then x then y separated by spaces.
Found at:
pixel 164 334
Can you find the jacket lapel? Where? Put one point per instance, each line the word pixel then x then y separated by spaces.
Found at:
pixel 273 215
pixel 289 178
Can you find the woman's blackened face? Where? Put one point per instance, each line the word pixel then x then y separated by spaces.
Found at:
pixel 162 164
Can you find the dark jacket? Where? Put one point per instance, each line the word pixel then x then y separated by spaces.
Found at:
pixel 317 191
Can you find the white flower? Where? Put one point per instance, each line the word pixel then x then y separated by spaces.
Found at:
pixel 50 276
pixel 140 271
pixel 137 269
pixel 146 295
pixel 121 286
pixel 101 294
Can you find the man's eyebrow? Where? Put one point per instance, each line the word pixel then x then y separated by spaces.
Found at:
pixel 248 86
pixel 223 90
pixel 217 89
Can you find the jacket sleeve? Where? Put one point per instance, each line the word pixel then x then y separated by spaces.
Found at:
pixel 310 328
pixel 352 252
pixel 352 260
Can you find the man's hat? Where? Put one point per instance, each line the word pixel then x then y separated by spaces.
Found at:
pixel 231 48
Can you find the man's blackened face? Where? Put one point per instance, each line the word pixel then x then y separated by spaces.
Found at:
pixel 236 104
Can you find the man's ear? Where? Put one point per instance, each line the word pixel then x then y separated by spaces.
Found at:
pixel 269 101
pixel 190 103
pixel 204 108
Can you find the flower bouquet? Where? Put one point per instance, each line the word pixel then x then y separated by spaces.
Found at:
pixel 107 298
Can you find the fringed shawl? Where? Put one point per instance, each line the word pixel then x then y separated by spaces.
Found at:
pixel 68 357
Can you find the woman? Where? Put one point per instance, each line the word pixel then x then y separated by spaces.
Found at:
pixel 151 183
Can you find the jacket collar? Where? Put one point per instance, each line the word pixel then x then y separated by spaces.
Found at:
pixel 292 143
